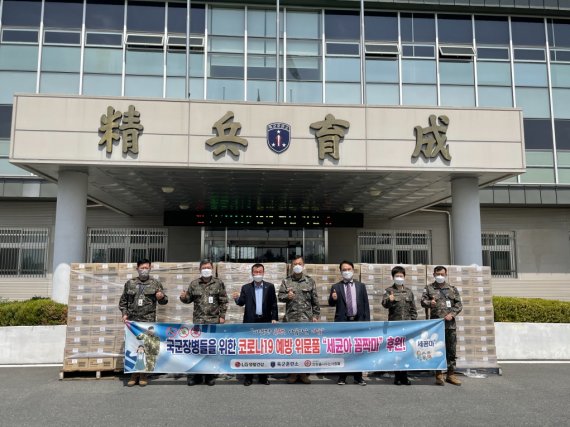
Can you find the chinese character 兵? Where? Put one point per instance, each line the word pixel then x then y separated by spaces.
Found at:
pixel 329 133
pixel 432 140
pixel 226 130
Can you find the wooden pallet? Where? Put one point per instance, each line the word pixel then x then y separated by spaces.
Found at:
pixel 90 375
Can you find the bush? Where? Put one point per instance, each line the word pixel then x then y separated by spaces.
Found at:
pixel 33 312
pixel 531 310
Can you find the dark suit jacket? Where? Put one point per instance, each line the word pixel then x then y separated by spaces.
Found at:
pixel 362 306
pixel 247 298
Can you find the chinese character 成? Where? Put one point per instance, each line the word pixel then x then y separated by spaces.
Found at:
pixel 226 130
pixel 432 140
pixel 329 133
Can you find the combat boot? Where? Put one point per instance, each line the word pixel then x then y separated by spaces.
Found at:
pixel 305 379
pixel 143 380
pixel 133 380
pixel 439 378
pixel 292 379
pixel 451 378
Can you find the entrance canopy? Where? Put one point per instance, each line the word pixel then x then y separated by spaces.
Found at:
pixel 145 156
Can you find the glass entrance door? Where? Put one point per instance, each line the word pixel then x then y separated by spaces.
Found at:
pixel 264 245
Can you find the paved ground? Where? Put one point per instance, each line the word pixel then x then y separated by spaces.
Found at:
pixel 526 395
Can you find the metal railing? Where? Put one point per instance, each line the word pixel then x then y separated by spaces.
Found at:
pixel 23 251
pixel 394 246
pixel 499 253
pixel 126 244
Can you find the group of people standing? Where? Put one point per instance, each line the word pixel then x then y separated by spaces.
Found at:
pixel 299 293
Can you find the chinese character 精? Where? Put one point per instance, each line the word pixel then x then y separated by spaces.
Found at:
pixel 226 131
pixel 432 140
pixel 130 129
pixel 329 133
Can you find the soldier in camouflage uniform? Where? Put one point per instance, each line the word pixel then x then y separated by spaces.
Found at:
pixel 210 305
pixel 399 300
pixel 138 304
pixel 299 293
pixel 151 345
pixel 444 301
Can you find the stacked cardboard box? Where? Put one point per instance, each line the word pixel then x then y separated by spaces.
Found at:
pixel 94 327
pixel 475 324
pixel 95 333
pixel 235 275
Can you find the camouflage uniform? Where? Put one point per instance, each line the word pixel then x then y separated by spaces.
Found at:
pixel 135 290
pixel 305 306
pixel 448 301
pixel 403 307
pixel 151 348
pixel 210 300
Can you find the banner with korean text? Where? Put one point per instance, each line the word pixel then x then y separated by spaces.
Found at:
pixel 251 348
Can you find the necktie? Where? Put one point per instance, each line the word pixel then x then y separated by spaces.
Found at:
pixel 349 308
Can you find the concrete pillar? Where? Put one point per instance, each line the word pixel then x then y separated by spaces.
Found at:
pixel 466 221
pixel 70 229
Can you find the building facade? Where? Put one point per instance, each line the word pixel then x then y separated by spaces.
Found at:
pixel 498 72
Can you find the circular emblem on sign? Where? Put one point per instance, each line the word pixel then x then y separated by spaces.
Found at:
pixel 171 331
pixel 237 364
pixel 183 332
pixel 308 363
pixel 196 332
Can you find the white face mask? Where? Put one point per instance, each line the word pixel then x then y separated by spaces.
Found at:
pixel 399 281
pixel 347 275
pixel 440 279
pixel 258 278
pixel 206 273
pixel 297 269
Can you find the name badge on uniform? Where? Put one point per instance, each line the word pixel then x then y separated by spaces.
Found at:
pixel 211 300
pixel 448 304
pixel 140 303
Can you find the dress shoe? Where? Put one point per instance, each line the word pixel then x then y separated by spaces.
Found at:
pixel 247 383
pixel 210 380
pixel 360 382
pixel 194 380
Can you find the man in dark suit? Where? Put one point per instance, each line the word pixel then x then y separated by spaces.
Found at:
pixel 351 301
pixel 260 306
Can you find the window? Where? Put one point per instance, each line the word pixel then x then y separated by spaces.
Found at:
pixel 105 15
pixel 5 121
pixel 394 247
pixel 499 253
pixel 23 251
pixel 21 13
pixel 63 14
pixel 126 244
